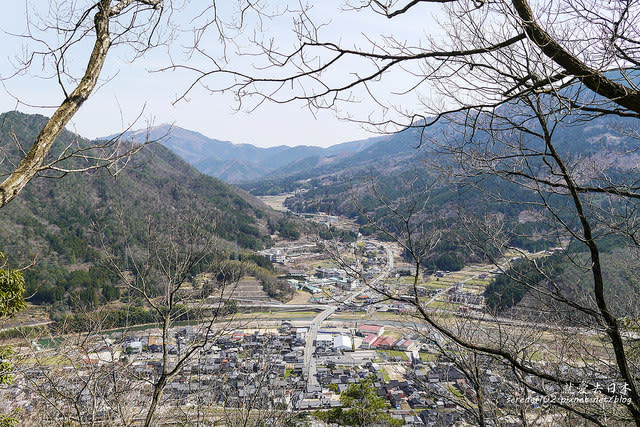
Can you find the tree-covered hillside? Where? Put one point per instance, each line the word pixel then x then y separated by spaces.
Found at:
pixel 68 223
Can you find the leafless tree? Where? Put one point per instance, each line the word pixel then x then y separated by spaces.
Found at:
pixel 161 269
pixel 535 359
pixel 83 379
pixel 88 377
pixel 69 25
pixel 100 392
pixel 504 78
pixel 550 46
pixel 56 35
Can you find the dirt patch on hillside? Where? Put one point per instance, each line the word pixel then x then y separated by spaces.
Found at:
pixel 300 297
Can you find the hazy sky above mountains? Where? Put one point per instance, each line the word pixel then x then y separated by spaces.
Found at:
pixel 130 90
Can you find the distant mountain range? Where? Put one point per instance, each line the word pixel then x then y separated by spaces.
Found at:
pixel 235 163
pixel 326 180
pixel 283 169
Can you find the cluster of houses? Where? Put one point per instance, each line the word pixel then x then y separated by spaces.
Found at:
pixel 266 369
pixel 228 371
pixel 418 398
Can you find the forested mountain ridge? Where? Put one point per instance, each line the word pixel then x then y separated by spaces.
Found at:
pixel 67 224
pixel 231 162
pixel 422 154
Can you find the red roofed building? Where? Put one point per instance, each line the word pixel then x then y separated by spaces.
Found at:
pixel 383 343
pixel 368 329
pixel 370 339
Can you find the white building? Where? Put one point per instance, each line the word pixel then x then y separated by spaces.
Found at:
pixel 324 340
pixel 301 333
pixel 342 342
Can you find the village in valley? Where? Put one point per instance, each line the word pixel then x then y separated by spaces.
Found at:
pixel 344 325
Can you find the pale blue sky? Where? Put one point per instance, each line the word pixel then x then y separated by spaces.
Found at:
pixel 131 87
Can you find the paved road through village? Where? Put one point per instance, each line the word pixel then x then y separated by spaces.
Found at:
pixel 310 367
